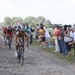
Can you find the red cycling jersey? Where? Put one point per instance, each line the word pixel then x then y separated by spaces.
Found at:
pixel 10 32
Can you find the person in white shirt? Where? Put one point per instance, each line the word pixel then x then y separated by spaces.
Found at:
pixel 47 37
pixel 73 35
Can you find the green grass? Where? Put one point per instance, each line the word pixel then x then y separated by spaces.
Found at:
pixel 70 59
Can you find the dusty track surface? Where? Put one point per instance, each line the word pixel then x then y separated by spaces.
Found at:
pixel 37 62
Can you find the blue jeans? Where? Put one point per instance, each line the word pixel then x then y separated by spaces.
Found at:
pixel 60 47
pixel 64 47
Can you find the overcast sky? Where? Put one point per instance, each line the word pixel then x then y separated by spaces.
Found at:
pixel 57 11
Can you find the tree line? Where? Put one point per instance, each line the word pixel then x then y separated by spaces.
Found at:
pixel 32 21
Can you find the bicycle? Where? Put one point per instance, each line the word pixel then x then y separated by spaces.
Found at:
pixel 9 42
pixel 20 53
pixel 5 41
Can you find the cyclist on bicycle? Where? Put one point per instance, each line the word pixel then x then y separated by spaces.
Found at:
pixel 20 35
pixel 4 31
pixel 9 32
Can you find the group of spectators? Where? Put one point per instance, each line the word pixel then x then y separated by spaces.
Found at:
pixel 64 39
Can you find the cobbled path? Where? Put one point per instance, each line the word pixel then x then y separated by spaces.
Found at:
pixel 36 62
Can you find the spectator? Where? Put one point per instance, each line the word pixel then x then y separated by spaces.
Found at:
pixel 55 38
pixel 59 38
pixel 63 44
pixel 73 42
pixel 67 38
pixel 47 37
pixel 42 35
pixel 0 44
pixel 37 33
pixel 31 35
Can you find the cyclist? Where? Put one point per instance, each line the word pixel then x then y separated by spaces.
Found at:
pixel 20 35
pixel 9 32
pixel 4 31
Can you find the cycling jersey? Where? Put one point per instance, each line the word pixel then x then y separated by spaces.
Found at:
pixel 20 36
pixel 4 30
pixel 10 32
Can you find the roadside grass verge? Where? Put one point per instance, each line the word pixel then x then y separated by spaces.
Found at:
pixel 51 50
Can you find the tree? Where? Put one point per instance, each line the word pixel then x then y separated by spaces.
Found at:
pixel 48 24
pixel 30 20
pixel 2 23
pixel 16 19
pixel 7 21
pixel 40 19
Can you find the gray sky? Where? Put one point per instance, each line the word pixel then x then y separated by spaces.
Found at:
pixel 57 11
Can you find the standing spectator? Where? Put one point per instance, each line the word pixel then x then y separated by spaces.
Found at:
pixel 0 44
pixel 67 38
pixel 63 44
pixel 37 33
pixel 47 37
pixel 74 26
pixel 31 35
pixel 59 38
pixel 73 42
pixel 55 38
pixel 42 35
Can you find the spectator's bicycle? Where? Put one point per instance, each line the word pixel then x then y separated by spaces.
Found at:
pixel 20 53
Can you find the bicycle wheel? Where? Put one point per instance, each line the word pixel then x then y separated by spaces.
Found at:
pixel 19 55
pixel 22 61
pixel 22 56
pixel 9 44
pixel 5 41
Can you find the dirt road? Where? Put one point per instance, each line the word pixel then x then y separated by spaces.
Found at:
pixel 37 62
